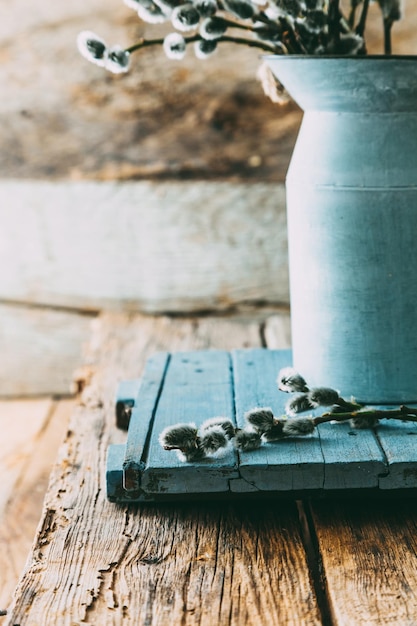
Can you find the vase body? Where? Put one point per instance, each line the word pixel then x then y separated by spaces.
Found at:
pixel 352 224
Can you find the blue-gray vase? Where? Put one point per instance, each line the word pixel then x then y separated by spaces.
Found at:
pixel 352 224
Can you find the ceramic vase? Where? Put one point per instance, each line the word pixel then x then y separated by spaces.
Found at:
pixel 352 224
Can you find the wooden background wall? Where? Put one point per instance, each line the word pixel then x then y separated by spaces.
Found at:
pixel 159 190
pixel 62 118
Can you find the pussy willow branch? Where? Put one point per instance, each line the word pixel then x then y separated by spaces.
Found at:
pixel 146 43
pixel 283 29
pixel 352 14
pixel 289 37
pixel 252 43
pixel 233 24
pixel 403 413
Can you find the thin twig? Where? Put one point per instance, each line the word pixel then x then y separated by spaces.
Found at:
pixel 403 413
pixel 145 43
pixel 252 43
pixel 387 35
pixel 360 29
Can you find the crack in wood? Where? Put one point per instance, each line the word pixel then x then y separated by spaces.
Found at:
pixel 314 560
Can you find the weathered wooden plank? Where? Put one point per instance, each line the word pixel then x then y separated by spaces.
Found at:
pixel 141 420
pixel 115 458
pixel 191 387
pixel 40 347
pixel 164 119
pixel 34 430
pixel 198 385
pixel 23 422
pixel 182 119
pixel 352 458
pixel 398 441
pixel 368 551
pixel 143 245
pixel 291 464
pixel 103 564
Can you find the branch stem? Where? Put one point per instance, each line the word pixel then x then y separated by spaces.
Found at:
pixel 251 43
pixel 387 35
pixel 403 413
pixel 360 29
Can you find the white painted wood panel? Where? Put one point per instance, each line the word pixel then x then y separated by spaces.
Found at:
pixel 177 246
pixel 40 349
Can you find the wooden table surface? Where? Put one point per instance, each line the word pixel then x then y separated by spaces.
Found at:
pixel 337 562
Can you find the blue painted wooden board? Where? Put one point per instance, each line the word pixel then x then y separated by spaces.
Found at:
pixel 198 386
pixel 126 395
pixel 296 465
pixel 194 386
pixel 399 442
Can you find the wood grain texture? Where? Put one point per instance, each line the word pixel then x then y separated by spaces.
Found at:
pixel 353 459
pixel 164 119
pixel 142 245
pixel 35 430
pixel 96 563
pixel 23 422
pixel 398 440
pixel 288 465
pixel 39 348
pixel 197 386
pixel 368 551
pixel 143 414
pixel 190 387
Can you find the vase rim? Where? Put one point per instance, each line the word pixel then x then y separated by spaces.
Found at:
pixel 329 57
pixel 375 83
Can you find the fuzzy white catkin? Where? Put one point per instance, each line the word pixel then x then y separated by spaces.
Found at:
pixel 92 47
pixel 152 14
pixel 206 8
pixel 290 380
pixel 300 426
pixel 117 60
pixel 224 422
pixel 175 46
pixel 246 440
pixel 260 418
pixel 298 404
pixel 185 17
pixel 204 48
pixel 166 7
pixel 323 396
pixel 212 28
pixel 213 440
pixel 182 436
pixel 242 9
